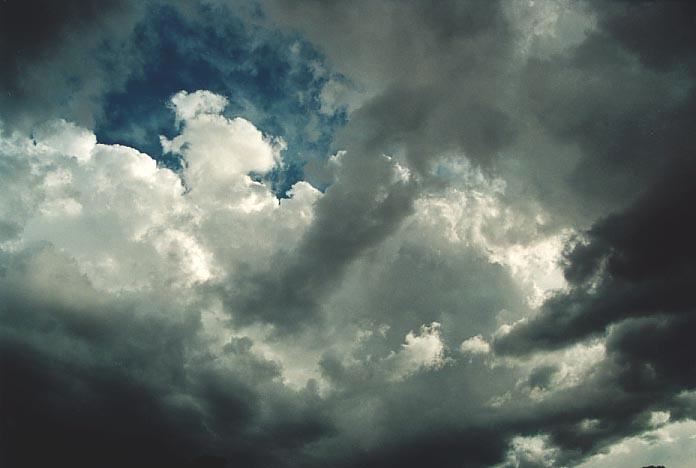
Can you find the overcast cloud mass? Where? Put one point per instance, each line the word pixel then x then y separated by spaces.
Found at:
pixel 376 233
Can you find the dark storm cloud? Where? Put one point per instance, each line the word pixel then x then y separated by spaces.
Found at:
pixel 629 122
pixel 634 264
pixel 356 213
pixel 88 381
pixel 662 34
pixel 452 79
pixel 626 101
pixel 646 369
pixel 94 380
pixel 461 48
pixel 60 57
pixel 632 281
pixel 445 447
pixel 448 81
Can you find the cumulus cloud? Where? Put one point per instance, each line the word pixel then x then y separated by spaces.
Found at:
pixel 475 345
pixel 497 270
pixel 145 252
pixel 67 138
pixel 530 451
pixel 423 351
pixel 217 150
pixel 187 106
pixel 561 138
pixel 57 60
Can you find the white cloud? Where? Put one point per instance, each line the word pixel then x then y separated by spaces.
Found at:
pixel 188 106
pixel 66 138
pixel 131 225
pixel 218 150
pixel 132 228
pixel 530 451
pixel 474 213
pixel 659 418
pixel 475 345
pixel 105 212
pixel 419 352
pixel 672 445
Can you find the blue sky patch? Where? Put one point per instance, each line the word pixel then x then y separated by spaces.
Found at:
pixel 271 79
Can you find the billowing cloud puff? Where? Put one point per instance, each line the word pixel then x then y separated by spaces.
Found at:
pixel 104 247
pixel 187 106
pixel 217 150
pixel 475 345
pixel 124 206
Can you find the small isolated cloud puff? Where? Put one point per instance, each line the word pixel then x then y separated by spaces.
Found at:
pixel 422 351
pixel 475 345
pixel 187 106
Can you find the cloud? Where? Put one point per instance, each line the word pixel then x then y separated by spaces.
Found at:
pixel 616 274
pixel 632 295
pixel 423 351
pixel 187 106
pixel 530 451
pixel 497 271
pixel 336 95
pixel 109 319
pixel 61 59
pixel 67 138
pixel 217 150
pixel 560 113
pixel 475 345
pixel 640 452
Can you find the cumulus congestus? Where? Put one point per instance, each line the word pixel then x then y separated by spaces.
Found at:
pixel 240 233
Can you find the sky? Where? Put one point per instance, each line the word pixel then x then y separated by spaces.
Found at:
pixel 366 234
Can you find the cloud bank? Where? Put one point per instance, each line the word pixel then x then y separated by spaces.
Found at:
pixel 484 259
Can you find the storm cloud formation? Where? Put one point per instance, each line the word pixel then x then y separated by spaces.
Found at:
pixel 59 59
pixel 347 234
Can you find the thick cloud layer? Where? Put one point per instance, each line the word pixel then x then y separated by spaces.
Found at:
pixel 104 358
pixel 486 260
pixel 631 265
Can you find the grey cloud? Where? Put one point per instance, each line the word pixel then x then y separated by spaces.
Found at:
pixel 635 264
pixel 614 115
pixel 662 34
pixel 89 380
pixel 540 377
pixel 356 213
pixel 630 123
pixel 631 281
pixel 451 79
pixel 413 117
pixel 433 95
pixel 52 62
pixel 434 75
pixel 588 129
pixel 447 81
pixel 415 286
